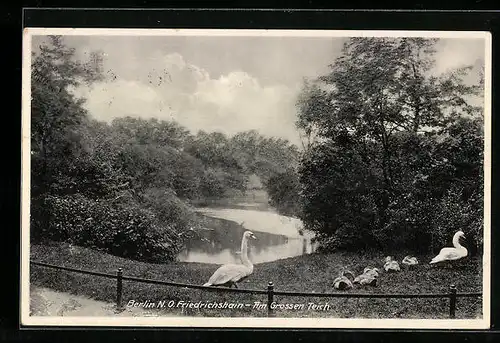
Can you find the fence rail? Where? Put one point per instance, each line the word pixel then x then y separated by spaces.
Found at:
pixel 452 294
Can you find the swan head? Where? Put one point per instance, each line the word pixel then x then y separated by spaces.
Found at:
pixel 348 274
pixel 372 272
pixel 457 236
pixel 249 234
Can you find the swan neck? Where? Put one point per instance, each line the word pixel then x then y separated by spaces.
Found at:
pixel 456 242
pixel 244 252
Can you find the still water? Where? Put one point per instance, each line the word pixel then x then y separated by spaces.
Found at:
pixel 219 241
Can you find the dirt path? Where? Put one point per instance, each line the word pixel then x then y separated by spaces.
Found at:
pixel 47 302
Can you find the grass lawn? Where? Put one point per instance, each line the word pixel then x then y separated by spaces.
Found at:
pixel 308 273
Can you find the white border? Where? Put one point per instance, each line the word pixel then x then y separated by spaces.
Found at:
pixel 238 322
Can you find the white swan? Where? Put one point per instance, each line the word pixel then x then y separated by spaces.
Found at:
pixel 343 282
pixel 366 279
pixel 409 260
pixel 452 254
pixel 369 277
pixel 371 271
pixel 391 265
pixel 230 274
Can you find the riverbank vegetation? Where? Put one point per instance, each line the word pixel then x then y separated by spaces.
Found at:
pixel 311 273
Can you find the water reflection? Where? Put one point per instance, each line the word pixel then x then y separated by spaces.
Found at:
pixel 219 242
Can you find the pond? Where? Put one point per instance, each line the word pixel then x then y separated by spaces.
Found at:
pixel 219 240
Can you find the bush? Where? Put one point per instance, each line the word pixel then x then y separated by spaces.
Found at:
pixel 284 192
pixel 122 230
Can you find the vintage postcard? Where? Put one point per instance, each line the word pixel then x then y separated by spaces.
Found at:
pixel 256 178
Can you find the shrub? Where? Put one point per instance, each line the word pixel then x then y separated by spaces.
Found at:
pixel 169 208
pixel 284 192
pixel 122 230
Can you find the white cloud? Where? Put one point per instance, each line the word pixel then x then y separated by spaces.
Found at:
pixel 456 53
pixel 108 100
pixel 175 89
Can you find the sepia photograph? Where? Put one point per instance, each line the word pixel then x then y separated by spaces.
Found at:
pixel 256 178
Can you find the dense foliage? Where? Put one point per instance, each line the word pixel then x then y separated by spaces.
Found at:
pixel 394 155
pixel 126 187
pixel 284 192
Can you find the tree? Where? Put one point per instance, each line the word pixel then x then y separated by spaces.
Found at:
pixel 378 116
pixel 56 114
pixel 285 192
pixel 56 117
pixel 263 156
pixel 152 131
pixel 312 102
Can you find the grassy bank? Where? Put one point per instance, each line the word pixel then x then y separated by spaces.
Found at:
pixel 309 273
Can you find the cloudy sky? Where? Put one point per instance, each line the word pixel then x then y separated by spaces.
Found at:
pixel 220 83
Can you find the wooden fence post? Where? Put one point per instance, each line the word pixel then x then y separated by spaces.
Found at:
pixel 453 300
pixel 270 296
pixel 119 288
